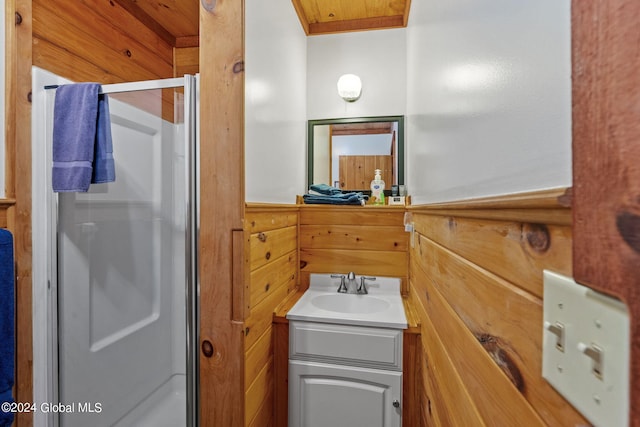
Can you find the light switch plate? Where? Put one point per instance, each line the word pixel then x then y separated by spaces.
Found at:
pixel 590 367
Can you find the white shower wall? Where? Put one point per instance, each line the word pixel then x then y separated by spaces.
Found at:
pixel 122 273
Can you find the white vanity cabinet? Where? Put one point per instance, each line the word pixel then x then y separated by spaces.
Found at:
pixel 344 375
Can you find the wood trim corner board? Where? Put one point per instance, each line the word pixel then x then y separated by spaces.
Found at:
pixel 18 43
pixel 222 371
pixel 545 206
pixel 606 159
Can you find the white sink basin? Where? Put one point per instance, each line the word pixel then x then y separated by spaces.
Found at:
pixel 381 307
pixel 349 303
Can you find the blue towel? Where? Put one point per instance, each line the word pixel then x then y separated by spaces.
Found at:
pixel 336 199
pixel 6 418
pixel 104 169
pixel 81 138
pixel 7 329
pixel 325 189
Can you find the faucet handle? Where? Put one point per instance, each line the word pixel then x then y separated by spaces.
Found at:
pixel 362 289
pixel 343 286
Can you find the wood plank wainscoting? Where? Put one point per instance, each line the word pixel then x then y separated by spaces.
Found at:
pixel 476 285
pixel 473 288
pixel 369 240
pixel 271 254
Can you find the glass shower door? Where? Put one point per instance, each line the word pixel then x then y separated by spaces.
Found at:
pixel 125 282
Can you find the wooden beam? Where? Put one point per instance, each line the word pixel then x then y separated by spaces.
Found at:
pixel 301 16
pixel 18 81
pixel 606 158
pixel 188 41
pixel 222 209
pixel 356 25
pixel 11 60
pixel 407 9
pixel 142 16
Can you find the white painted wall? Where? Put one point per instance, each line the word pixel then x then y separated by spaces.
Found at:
pixel 275 102
pixel 488 99
pixel 377 57
pixel 485 86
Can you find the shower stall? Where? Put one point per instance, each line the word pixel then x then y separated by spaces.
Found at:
pixel 115 268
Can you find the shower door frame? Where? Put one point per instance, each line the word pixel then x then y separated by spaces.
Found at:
pixel 45 275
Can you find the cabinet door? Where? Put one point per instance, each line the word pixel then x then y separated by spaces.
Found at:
pixel 322 395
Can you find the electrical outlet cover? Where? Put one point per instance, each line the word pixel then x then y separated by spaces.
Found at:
pixel 589 320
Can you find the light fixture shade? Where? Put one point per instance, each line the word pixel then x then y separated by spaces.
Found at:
pixel 349 87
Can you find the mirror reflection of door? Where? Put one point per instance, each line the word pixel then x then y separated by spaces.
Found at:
pixel 356 150
pixel 345 152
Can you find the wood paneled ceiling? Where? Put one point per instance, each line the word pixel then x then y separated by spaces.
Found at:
pixel 336 16
pixel 176 21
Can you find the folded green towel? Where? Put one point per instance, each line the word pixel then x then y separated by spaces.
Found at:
pixel 336 199
pixel 325 189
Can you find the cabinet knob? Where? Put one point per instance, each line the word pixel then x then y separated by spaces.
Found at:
pixel 396 403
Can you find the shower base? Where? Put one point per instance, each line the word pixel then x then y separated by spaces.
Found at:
pixel 165 407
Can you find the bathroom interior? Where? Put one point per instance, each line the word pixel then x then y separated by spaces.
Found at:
pixel 212 104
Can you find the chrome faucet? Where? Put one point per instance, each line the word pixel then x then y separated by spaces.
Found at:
pixel 348 283
pixel 351 284
pixel 362 289
pixel 343 286
pixel 346 287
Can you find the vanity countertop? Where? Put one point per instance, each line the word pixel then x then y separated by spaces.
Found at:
pixel 382 307
pixel 280 314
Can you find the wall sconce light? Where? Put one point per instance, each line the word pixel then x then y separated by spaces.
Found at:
pixel 349 87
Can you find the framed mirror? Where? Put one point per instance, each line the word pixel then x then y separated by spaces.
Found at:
pixel 344 153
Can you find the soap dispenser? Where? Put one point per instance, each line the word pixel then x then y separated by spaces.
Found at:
pixel 377 189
